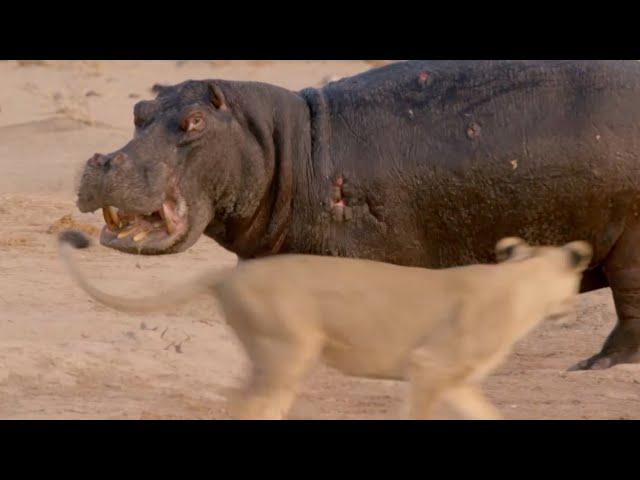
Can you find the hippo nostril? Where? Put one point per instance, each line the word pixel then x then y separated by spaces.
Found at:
pixel 106 162
pixel 95 160
pixel 99 161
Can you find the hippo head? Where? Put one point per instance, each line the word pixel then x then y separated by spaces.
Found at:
pixel 206 156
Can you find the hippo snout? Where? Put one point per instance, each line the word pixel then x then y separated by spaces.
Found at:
pixel 89 200
pixel 99 168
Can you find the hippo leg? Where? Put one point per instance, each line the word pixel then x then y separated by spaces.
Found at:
pixel 622 269
pixel 593 279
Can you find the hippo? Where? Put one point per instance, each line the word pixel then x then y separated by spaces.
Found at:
pixel 417 163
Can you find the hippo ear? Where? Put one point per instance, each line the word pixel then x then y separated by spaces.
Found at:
pixel 512 248
pixel 580 254
pixel 160 89
pixel 217 97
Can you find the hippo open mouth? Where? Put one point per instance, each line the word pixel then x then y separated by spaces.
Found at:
pixel 157 230
pixel 143 206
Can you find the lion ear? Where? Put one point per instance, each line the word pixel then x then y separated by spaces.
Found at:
pixel 217 97
pixel 580 254
pixel 511 248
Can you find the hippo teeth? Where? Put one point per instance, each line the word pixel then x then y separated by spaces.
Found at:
pixel 111 217
pixel 126 233
pixel 139 226
pixel 166 213
pixel 140 236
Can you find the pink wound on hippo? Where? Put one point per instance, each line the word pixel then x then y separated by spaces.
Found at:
pixel 336 191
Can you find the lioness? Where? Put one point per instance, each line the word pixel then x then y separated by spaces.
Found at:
pixel 442 330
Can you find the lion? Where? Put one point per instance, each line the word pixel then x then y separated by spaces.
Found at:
pixel 443 330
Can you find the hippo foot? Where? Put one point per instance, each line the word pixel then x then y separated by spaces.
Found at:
pixel 604 360
pixel 622 346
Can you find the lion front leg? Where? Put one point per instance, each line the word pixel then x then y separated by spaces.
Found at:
pixel 278 366
pixel 471 403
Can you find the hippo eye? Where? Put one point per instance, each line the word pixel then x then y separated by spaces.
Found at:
pixel 192 123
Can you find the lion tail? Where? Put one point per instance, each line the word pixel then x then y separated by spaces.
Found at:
pixel 178 295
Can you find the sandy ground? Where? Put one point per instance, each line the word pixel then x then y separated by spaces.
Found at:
pixel 62 356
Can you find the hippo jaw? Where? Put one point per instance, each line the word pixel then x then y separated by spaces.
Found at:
pixel 151 228
pixel 146 210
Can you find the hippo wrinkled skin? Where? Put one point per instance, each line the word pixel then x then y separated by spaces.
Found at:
pixel 424 163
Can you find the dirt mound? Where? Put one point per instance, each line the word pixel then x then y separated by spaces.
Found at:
pixel 67 222
pixel 16 242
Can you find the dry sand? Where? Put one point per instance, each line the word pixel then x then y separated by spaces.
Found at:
pixel 62 356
